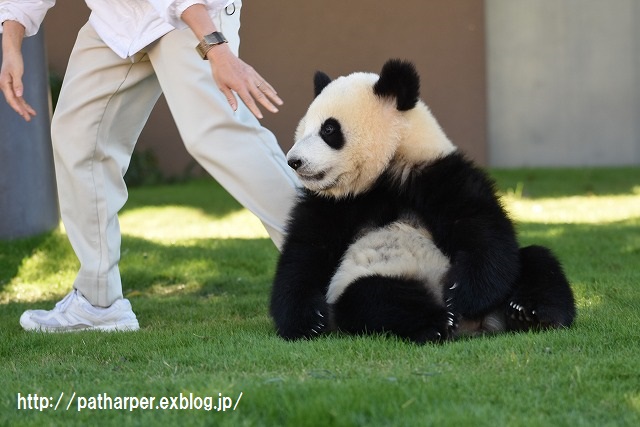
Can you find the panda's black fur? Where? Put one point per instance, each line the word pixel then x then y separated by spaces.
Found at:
pixel 486 284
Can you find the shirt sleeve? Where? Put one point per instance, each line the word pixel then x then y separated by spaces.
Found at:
pixel 171 10
pixel 30 13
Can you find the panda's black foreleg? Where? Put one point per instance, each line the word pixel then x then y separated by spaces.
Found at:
pixel 298 316
pixel 542 297
pixel 403 307
pixel 298 297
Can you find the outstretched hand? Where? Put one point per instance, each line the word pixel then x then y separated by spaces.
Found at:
pixel 13 69
pixel 234 75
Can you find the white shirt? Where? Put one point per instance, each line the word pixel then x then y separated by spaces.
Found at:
pixel 126 26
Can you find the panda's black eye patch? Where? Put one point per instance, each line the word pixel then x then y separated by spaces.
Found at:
pixel 327 129
pixel 331 133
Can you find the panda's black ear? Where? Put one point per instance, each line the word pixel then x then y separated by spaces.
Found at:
pixel 400 80
pixel 320 81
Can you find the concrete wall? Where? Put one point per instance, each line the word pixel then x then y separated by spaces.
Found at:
pixel 563 82
pixel 288 40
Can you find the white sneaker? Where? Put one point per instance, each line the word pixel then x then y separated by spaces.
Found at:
pixel 75 313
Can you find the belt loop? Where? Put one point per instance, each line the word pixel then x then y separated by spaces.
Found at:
pixel 229 13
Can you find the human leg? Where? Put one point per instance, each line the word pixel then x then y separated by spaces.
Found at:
pixel 233 147
pixel 103 105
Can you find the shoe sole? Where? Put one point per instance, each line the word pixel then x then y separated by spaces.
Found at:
pixel 120 327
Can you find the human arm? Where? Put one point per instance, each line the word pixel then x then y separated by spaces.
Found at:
pixel 18 19
pixel 13 69
pixel 229 71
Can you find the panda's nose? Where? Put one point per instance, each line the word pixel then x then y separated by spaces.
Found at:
pixel 294 163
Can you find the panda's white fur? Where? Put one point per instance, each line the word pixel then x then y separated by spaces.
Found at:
pixel 413 150
pixel 403 249
pixel 353 169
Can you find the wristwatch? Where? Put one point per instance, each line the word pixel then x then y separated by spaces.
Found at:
pixel 209 41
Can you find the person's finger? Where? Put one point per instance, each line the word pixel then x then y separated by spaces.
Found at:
pixel 231 99
pixel 266 88
pixel 17 104
pixel 263 100
pixel 266 95
pixel 270 92
pixel 28 109
pixel 22 108
pixel 247 98
pixel 12 88
pixel 18 88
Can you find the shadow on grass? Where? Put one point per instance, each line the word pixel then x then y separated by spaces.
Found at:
pixel 203 194
pixel 208 266
pixel 562 182
pixel 149 266
pixel 51 252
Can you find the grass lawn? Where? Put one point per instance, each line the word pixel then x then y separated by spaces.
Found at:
pixel 197 269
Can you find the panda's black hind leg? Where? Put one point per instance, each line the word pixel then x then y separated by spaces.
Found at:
pixel 402 307
pixel 542 297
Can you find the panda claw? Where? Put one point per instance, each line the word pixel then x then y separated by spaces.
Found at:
pixel 455 285
pixel 523 315
pixel 449 303
pixel 319 314
pixel 451 319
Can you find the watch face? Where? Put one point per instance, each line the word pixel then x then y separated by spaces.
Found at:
pixel 215 38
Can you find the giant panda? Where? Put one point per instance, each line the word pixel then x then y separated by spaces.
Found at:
pixel 396 232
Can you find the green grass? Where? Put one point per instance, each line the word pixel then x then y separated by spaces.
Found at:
pixel 197 270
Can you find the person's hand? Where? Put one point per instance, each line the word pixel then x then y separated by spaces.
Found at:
pixel 11 85
pixel 13 69
pixel 234 75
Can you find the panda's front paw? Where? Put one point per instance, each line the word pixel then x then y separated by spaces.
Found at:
pixel 450 294
pixel 443 329
pixel 318 325
pixel 306 324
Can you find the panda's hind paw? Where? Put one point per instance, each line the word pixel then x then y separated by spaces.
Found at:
pixel 521 316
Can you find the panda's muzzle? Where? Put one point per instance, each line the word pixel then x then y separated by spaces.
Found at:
pixel 298 165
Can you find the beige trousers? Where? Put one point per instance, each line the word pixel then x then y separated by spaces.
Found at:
pixel 104 103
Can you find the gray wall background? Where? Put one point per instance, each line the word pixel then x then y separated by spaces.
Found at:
pixel 28 198
pixel 563 82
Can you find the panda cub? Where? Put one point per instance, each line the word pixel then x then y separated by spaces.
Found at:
pixel 396 231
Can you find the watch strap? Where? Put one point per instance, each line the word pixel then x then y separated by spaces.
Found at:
pixel 209 41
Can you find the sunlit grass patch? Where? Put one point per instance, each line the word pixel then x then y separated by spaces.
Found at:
pixel 172 223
